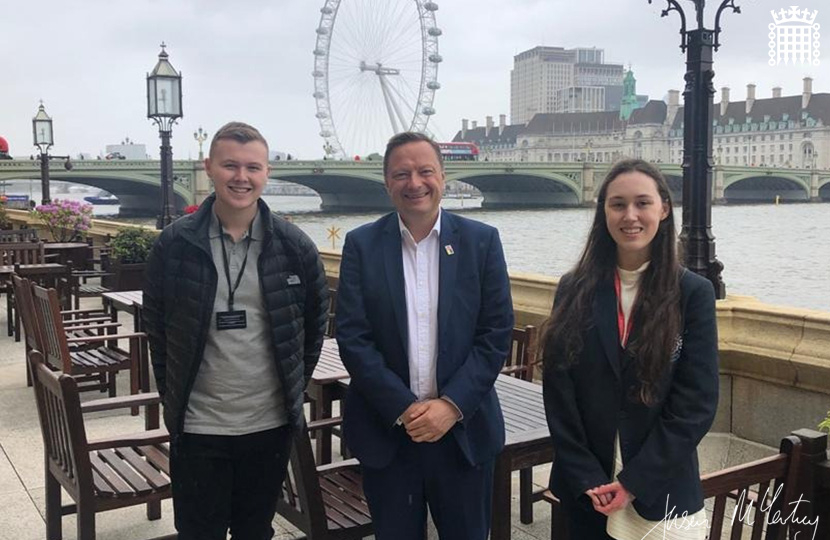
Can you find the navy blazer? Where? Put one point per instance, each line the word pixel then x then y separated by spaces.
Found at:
pixel 475 321
pixel 587 403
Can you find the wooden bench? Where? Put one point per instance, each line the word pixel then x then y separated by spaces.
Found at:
pixel 326 502
pixel 98 475
pixel 772 481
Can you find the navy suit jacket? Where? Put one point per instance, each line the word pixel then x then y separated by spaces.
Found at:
pixel 475 321
pixel 590 401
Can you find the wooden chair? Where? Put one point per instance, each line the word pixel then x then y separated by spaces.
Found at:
pixel 10 255
pixel 98 475
pixel 18 236
pixel 522 357
pixel 326 502
pixel 330 325
pixel 83 323
pixel 21 253
pixel 749 486
pixel 94 356
pixel 82 287
pixel 757 489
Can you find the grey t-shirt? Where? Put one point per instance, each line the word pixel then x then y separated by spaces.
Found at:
pixel 237 390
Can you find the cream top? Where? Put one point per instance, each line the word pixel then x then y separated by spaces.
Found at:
pixel 629 286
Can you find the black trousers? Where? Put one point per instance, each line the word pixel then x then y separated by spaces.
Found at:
pixel 459 495
pixel 228 482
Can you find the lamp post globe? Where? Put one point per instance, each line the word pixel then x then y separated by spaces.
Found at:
pixel 164 107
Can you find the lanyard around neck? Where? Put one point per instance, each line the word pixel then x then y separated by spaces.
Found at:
pixel 623 329
pixel 232 289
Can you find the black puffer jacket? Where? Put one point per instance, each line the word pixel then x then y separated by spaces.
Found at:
pixel 179 292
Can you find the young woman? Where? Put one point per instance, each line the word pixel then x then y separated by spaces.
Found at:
pixel 631 371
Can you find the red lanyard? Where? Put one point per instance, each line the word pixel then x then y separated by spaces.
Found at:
pixel 623 329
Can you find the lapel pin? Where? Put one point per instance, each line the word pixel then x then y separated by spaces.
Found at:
pixel 449 250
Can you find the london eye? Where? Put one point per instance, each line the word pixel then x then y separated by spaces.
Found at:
pixel 375 72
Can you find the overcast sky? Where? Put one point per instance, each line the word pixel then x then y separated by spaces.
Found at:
pixel 251 60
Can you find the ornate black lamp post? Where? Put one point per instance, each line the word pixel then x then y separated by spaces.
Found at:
pixel 42 128
pixel 696 238
pixel 164 106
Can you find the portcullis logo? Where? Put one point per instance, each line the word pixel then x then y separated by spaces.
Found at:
pixel 794 37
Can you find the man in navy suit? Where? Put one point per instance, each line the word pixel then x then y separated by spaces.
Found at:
pixel 424 319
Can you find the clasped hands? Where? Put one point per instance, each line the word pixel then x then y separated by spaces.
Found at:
pixel 609 498
pixel 429 420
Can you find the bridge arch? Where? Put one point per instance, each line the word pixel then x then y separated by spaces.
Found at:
pixel 523 189
pixel 765 187
pixel 824 188
pixel 341 191
pixel 138 194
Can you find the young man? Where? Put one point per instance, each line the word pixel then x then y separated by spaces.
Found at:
pixel 424 321
pixel 235 304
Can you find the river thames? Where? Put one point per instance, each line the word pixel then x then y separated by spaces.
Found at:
pixel 778 254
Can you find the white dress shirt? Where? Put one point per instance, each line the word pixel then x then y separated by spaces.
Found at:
pixel 420 272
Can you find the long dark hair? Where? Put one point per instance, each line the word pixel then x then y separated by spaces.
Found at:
pixel 656 308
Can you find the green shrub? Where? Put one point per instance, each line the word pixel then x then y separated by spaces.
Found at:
pixel 132 245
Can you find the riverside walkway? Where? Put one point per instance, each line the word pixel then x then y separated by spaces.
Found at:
pixel 22 477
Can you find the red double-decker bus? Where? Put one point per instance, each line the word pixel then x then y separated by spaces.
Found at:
pixel 458 151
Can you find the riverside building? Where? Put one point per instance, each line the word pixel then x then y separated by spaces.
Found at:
pixel 775 131
pixel 558 80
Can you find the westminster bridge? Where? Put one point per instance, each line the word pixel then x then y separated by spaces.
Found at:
pixel 358 185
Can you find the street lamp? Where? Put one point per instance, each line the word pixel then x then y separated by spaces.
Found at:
pixel 164 106
pixel 42 129
pixel 201 136
pixel 696 238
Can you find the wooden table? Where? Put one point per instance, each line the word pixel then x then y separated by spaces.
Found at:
pixel 527 443
pixel 527 439
pixel 33 270
pixel 131 302
pixel 76 253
